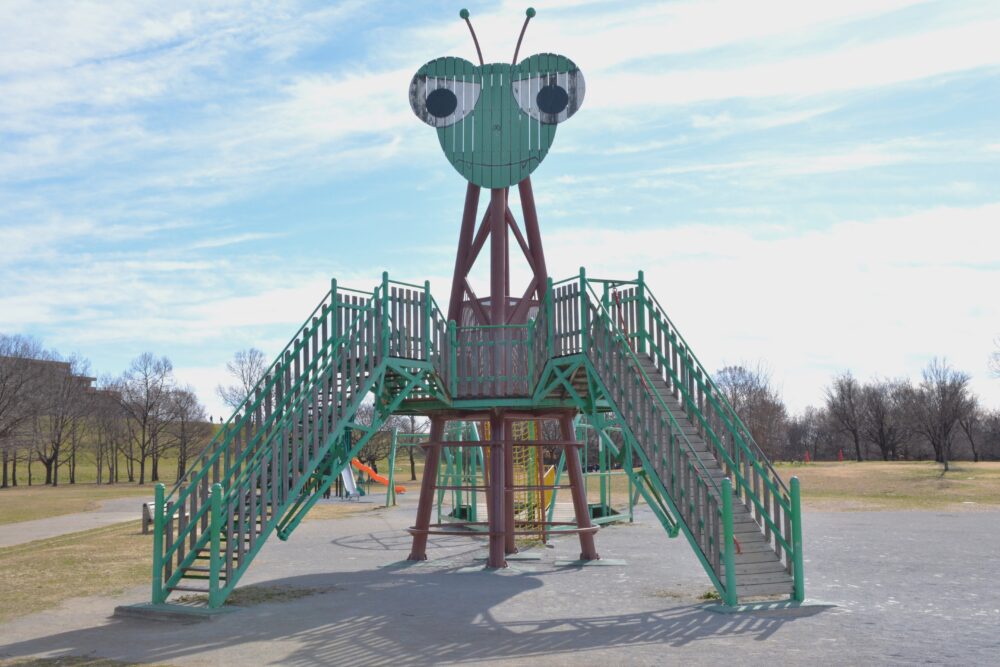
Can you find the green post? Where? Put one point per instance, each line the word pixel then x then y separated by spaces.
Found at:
pixel 797 570
pixel 473 474
pixel 531 355
pixel 550 316
pixel 641 311
pixel 385 314
pixel 390 493
pixel 215 563
pixel 335 309
pixel 584 314
pixel 453 361
pixel 729 547
pixel 427 320
pixel 632 492
pixel 158 509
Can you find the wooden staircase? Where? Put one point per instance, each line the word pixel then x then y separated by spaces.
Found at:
pixel 759 569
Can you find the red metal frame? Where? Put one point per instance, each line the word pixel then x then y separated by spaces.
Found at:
pixel 465 308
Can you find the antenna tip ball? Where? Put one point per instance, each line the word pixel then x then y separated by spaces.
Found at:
pixel 464 14
pixel 530 13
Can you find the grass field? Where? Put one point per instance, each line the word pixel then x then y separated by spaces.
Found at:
pixel 897 485
pixel 39 575
pixel 26 503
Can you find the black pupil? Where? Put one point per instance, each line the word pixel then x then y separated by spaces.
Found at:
pixel 441 103
pixel 552 99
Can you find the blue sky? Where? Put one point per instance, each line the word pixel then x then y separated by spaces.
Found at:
pixel 814 185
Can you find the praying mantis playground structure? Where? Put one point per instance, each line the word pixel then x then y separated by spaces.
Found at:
pixel 509 382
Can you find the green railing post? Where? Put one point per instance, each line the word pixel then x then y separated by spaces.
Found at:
pixel 158 509
pixel 797 570
pixel 427 320
pixel 335 309
pixel 215 563
pixel 729 546
pixel 550 316
pixel 453 361
pixel 390 494
pixel 531 356
pixel 640 293
pixel 385 314
pixel 584 313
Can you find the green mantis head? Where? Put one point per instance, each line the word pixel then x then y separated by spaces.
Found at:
pixel 496 121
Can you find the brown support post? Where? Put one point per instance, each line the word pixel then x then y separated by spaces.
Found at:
pixel 427 487
pixel 531 231
pixel 509 544
pixel 575 472
pixel 462 257
pixel 498 454
pixel 498 255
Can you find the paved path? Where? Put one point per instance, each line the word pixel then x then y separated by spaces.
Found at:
pixel 109 512
pixel 911 587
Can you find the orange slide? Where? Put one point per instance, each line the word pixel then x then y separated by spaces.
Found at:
pixel 374 475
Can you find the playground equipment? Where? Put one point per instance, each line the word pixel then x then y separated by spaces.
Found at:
pixel 375 477
pixel 517 361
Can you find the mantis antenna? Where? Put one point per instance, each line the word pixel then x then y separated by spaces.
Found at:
pixel 528 15
pixel 465 15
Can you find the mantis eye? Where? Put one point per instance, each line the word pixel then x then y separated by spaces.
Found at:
pixel 441 101
pixel 550 98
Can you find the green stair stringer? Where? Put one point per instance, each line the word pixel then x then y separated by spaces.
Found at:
pixel 648 481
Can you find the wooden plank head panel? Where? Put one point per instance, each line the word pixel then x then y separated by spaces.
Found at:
pixel 496 122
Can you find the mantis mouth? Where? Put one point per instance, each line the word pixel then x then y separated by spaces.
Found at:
pixel 519 163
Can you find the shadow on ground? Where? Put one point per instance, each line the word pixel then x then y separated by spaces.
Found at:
pixel 416 615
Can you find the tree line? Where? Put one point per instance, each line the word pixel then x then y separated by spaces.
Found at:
pixel 55 417
pixel 935 417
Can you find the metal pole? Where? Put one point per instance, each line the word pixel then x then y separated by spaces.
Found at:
pixel 498 248
pixel 385 315
pixel 158 527
pixel 641 311
pixel 427 483
pixel 496 522
pixel 215 558
pixel 797 569
pixel 390 493
pixel 729 546
pixel 462 257
pixel 531 231
pixel 579 494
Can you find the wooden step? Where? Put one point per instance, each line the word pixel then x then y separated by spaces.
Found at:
pixel 190 589
pixel 759 568
pixel 763 590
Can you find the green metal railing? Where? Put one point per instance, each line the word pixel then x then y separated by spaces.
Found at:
pixel 642 321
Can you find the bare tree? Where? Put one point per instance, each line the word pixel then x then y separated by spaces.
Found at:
pixel 843 404
pixel 883 415
pixel 19 375
pixel 108 428
pixel 748 389
pixel 246 368
pixel 189 430
pixel 971 424
pixel 942 401
pixel 414 426
pixel 146 387
pixel 380 444
pixel 808 432
pixel 63 407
